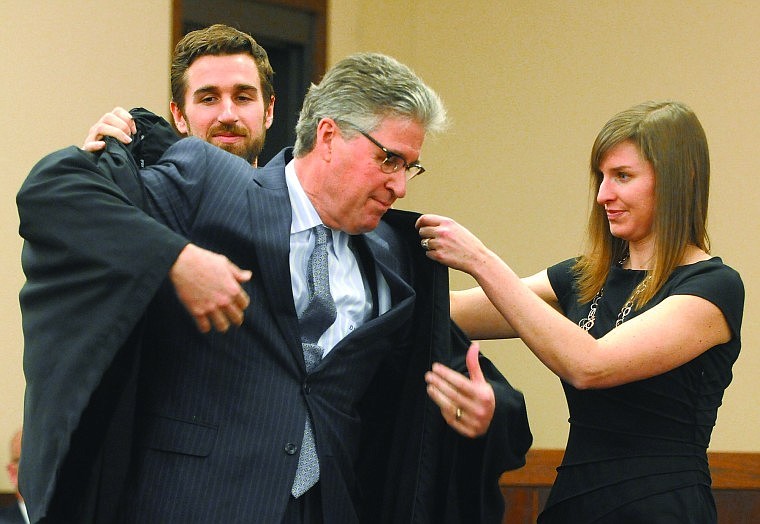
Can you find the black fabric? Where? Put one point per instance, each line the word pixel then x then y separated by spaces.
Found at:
pixel 88 281
pixel 306 509
pixel 647 439
pixel 430 473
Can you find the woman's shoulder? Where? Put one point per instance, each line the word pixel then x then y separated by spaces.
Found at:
pixel 564 267
pixel 712 280
pixel 711 269
pixel 562 278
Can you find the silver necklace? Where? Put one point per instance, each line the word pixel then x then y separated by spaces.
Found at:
pixel 588 322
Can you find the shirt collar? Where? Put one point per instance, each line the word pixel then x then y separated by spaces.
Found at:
pixel 304 215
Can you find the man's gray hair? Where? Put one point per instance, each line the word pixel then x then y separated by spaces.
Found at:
pixel 362 90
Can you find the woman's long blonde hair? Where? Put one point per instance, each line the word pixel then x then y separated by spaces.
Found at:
pixel 670 137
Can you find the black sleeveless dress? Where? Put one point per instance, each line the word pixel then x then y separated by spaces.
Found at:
pixel 637 453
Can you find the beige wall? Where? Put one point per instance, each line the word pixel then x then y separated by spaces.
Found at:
pixel 528 85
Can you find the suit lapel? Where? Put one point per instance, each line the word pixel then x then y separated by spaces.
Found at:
pixel 379 256
pixel 270 218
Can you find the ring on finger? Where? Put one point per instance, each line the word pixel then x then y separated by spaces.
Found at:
pixel 459 414
pixel 425 243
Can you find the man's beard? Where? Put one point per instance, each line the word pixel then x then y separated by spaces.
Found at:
pixel 249 148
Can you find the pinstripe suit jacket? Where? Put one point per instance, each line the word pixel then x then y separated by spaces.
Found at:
pixel 225 412
pixel 220 417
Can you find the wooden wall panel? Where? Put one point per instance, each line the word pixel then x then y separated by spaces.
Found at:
pixel 6 499
pixel 736 486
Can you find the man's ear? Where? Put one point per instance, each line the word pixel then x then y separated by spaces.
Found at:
pixel 179 118
pixel 269 117
pixel 327 131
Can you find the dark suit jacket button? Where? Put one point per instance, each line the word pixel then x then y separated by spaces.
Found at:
pixel 307 388
pixel 291 448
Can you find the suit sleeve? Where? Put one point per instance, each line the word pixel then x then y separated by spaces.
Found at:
pixel 191 172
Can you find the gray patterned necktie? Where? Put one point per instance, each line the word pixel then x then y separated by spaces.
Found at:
pixel 319 314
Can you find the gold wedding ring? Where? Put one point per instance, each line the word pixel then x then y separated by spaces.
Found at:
pixel 459 414
pixel 425 243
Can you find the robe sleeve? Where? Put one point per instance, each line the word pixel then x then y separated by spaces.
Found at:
pixel 92 262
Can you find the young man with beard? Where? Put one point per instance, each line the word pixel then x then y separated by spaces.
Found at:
pixel 222 92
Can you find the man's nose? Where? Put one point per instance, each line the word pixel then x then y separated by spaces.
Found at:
pixel 228 112
pixel 397 183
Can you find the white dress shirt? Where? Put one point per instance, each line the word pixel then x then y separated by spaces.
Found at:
pixel 353 299
pixel 24 513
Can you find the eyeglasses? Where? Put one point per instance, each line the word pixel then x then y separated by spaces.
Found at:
pixel 393 161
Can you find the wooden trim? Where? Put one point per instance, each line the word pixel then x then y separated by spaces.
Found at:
pixel 317 8
pixel 176 33
pixel 729 470
pixel 6 499
pixel 539 470
pixel 735 470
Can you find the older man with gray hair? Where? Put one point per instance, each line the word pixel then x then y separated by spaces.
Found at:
pixel 297 395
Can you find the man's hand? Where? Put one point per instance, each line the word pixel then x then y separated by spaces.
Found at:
pixel 467 404
pixel 208 285
pixel 118 124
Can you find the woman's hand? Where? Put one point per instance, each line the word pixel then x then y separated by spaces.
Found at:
pixel 449 243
